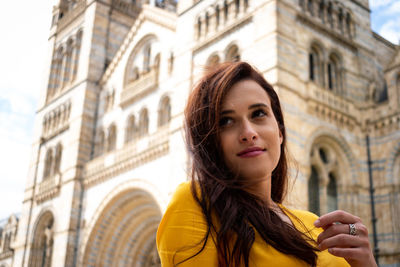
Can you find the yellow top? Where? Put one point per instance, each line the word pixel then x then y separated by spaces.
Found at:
pixel 183 227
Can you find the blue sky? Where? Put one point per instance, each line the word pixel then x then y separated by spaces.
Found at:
pixel 24 27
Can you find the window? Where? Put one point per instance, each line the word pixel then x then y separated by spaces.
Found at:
pixel 323 182
pixel 213 60
pixel 199 27
pixel 42 243
pixel 164 112
pixel 143 122
pixel 207 22
pixel 333 74
pixel 313 192
pixel 130 129
pixel 216 16
pixel 226 10
pixel 233 54
pixel 48 164
pixel 315 65
pixel 332 193
pixel 57 162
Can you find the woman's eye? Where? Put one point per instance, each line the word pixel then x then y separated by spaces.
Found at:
pixel 225 121
pixel 259 113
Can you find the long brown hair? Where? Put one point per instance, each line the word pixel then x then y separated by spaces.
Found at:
pixel 220 192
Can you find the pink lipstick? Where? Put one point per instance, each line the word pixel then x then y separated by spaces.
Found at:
pixel 251 152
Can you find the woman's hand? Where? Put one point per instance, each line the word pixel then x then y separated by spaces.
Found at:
pixel 345 236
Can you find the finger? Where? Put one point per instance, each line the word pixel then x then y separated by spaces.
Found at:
pixel 348 253
pixel 343 241
pixel 332 230
pixel 336 216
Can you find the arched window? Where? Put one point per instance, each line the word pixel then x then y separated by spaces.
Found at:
pixel 143 122
pixel 146 58
pixel 310 7
pixel 207 22
pixel 332 193
pixel 349 25
pixel 43 240
pixel 112 138
pixel 58 68
pixel 340 20
pixel 330 15
pixel 232 54
pixel 164 111
pixel 321 8
pixel 76 53
pixel 315 65
pixel 48 164
pixel 57 161
pixel 323 182
pixel 237 6
pixel 313 192
pixel 130 129
pixel 217 17
pixel 333 74
pixel 226 10
pixel 68 62
pixel 213 60
pixel 198 27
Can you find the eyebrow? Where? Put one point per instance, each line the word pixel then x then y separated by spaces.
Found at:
pixel 253 106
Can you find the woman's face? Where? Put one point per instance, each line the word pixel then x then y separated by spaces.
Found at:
pixel 250 136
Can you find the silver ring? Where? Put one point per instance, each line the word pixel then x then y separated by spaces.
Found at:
pixel 352 229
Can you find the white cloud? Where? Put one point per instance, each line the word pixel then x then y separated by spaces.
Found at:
pixel 373 4
pixel 391 30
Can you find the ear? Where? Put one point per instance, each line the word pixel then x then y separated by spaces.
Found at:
pixel 280 137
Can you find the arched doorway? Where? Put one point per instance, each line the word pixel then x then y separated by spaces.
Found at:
pixel 125 232
pixel 42 243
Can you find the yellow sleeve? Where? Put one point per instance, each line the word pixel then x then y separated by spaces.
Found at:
pixel 181 232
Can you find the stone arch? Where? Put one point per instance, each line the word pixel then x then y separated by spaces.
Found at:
pixel 131 64
pixel 123 231
pixel 41 250
pixel 330 173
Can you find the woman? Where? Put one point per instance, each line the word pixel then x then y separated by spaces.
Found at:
pixel 231 213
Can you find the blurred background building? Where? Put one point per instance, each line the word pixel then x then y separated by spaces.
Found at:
pixel 109 150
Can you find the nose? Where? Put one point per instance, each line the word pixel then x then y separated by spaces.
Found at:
pixel 248 133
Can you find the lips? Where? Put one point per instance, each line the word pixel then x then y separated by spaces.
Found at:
pixel 251 152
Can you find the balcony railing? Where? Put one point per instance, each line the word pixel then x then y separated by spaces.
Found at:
pixel 329 99
pixel 48 188
pixel 140 87
pixel 133 154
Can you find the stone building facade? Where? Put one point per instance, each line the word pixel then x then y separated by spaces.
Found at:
pixel 108 148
